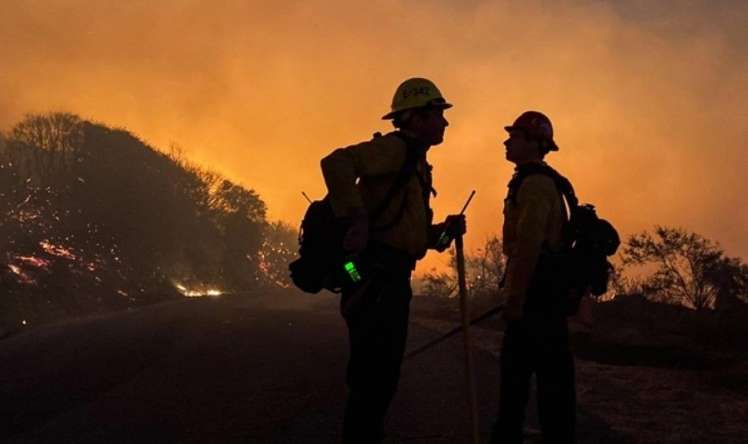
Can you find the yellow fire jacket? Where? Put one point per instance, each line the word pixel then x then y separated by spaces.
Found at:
pixel 536 218
pixel 359 177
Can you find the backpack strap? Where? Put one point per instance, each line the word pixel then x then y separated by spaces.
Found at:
pixel 562 184
pixel 569 201
pixel 408 169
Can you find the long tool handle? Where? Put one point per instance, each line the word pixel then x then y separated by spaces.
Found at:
pixel 469 373
pixel 472 193
pixel 443 236
pixel 415 352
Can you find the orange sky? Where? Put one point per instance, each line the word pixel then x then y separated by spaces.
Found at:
pixel 649 105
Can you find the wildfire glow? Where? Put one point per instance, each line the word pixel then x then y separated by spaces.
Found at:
pixel 264 263
pixel 33 261
pixel 23 277
pixel 197 293
pixel 26 216
pixel 57 250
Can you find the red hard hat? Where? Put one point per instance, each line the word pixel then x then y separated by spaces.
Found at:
pixel 535 125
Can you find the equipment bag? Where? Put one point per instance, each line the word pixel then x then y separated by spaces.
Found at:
pixel 587 243
pixel 321 255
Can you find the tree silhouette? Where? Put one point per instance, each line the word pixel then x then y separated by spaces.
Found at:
pixel 730 276
pixel 688 269
pixel 439 284
pixel 484 270
pixel 51 140
pixel 279 248
pixel 94 218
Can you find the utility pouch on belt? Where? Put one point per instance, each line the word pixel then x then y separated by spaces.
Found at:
pixel 380 263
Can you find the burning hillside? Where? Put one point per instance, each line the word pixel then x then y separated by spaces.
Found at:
pixel 94 219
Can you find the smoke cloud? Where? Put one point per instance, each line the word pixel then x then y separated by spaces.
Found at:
pixel 648 100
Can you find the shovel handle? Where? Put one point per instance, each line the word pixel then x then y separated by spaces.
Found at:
pixel 465 315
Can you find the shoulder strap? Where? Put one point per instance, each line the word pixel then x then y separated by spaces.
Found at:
pixel 569 200
pixel 562 183
pixel 406 172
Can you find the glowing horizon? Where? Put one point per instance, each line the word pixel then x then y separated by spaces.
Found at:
pixel 647 101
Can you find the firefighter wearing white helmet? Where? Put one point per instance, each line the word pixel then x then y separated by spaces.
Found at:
pixel 382 188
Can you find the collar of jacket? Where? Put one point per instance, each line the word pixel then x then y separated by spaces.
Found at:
pixel 412 142
pixel 531 165
pixel 420 148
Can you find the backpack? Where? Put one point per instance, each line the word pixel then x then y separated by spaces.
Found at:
pixel 587 242
pixel 321 254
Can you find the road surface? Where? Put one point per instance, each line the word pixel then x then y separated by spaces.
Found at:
pixel 224 370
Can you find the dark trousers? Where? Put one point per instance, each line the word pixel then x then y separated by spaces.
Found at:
pixel 538 345
pixel 377 322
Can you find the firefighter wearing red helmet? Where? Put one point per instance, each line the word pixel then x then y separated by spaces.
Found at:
pixel 536 335
pixel 535 126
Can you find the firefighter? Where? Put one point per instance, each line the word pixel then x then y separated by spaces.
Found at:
pixel 536 339
pixel 359 178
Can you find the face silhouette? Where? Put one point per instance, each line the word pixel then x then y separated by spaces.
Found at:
pixel 429 125
pixel 519 149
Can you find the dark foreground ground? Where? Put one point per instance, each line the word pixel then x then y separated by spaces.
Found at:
pixel 264 369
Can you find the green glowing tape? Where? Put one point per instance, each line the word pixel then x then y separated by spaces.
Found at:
pixel 350 268
pixel 443 239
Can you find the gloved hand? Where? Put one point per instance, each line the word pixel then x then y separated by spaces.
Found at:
pixel 454 225
pixel 357 236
